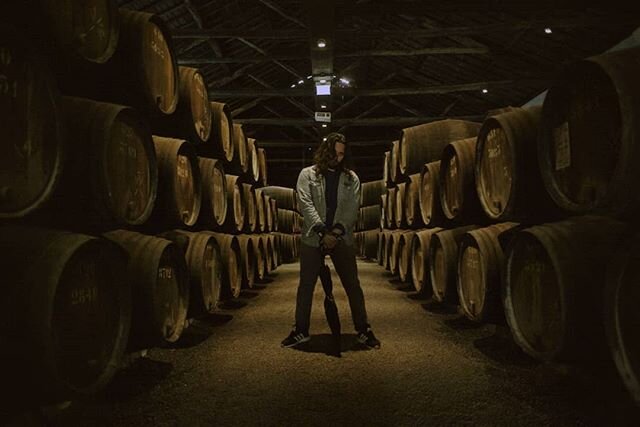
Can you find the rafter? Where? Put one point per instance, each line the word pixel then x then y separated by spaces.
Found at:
pixel 282 13
pixel 424 90
pixel 378 121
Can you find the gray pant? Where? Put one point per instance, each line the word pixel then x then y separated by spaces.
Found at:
pixel 344 260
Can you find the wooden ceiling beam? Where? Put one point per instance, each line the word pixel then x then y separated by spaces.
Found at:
pixel 377 121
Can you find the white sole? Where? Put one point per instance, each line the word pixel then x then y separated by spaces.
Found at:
pixel 303 340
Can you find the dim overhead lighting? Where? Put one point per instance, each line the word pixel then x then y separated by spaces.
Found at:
pixel 485 91
pixel 344 80
pixel 309 76
pixel 293 85
pixel 322 43
pixel 324 125
pixel 323 106
pixel 300 82
pixel 324 139
pixel 323 89
pixel 548 30
pixel 323 81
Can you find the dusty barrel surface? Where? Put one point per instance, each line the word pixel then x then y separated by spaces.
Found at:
pixel 231 264
pixel 192 117
pixel 371 191
pixel 32 141
pixel 220 143
pixel 404 252
pixel 553 286
pixel 260 210
pixel 420 265
pixel 84 29
pixel 621 315
pixel 390 213
pixel 144 65
pixel 424 143
pixel 180 182
pixel 159 281
pixel 368 218
pixel 508 181
pixel 458 195
pixel 412 213
pixel 66 310
pixel 253 161
pixel 262 164
pixel 250 208
pixel 386 175
pixel 430 206
pixel 588 146
pixel 443 262
pixel 268 213
pixel 112 176
pixel 399 205
pixel 235 206
pixel 288 221
pixel 204 262
pixel 240 163
pixel 213 210
pixel 248 260
pixel 286 197
pixel 481 263
pixel 394 159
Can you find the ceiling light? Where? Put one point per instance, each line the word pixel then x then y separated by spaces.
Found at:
pixel 323 106
pixel 344 80
pixel 324 125
pixel 322 43
pixel 293 85
pixel 548 30
pixel 300 82
pixel 324 139
pixel 323 89
pixel 323 81
pixel 485 90
pixel 309 76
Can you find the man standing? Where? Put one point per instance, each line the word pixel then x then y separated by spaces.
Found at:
pixel 329 198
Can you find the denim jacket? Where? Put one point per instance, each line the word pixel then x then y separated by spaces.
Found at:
pixel 313 205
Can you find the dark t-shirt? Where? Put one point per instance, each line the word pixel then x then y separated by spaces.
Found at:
pixel 332 178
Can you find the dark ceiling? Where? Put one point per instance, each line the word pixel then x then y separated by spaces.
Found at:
pixel 407 62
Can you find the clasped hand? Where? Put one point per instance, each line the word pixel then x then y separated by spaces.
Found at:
pixel 329 241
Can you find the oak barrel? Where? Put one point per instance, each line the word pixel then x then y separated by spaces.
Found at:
pixel 420 265
pixel 213 210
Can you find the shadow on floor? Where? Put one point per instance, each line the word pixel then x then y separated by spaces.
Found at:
pixel 419 296
pixel 138 378
pixel 501 348
pixel 439 308
pixel 462 323
pixel 327 344
pixel 257 287
pixel 233 304
pixel 249 294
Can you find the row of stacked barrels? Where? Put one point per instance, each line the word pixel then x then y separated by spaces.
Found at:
pixel 289 222
pixel 369 219
pixel 124 203
pixel 529 215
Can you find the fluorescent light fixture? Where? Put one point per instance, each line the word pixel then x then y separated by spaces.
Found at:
pixel 323 106
pixel 309 76
pixel 300 82
pixel 548 30
pixel 323 81
pixel 324 139
pixel 323 89
pixel 322 43
pixel 485 90
pixel 293 85
pixel 324 125
pixel 344 80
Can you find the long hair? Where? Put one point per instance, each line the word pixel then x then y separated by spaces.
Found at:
pixel 326 152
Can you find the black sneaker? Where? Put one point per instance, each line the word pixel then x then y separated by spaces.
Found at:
pixel 295 338
pixel 367 338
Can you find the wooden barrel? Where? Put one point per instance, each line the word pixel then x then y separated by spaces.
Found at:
pixel 231 264
pixel 286 197
pixel 405 252
pixel 261 225
pixel 621 315
pixel 240 163
pixel 480 270
pixel 368 218
pixel 213 211
pixel 268 213
pixel 253 161
pixel 430 206
pixel 395 252
pixel 394 170
pixel 272 251
pixel 370 244
pixel 85 30
pixel 287 221
pixel 588 138
pixel 412 213
pixel 247 260
pixel 443 262
pixel 386 174
pixel 508 181
pixel 383 211
pixel 262 164
pixel 399 205
pixel 391 207
pixel 268 254
pixel 143 72
pixel 424 143
pixel 220 144
pixel 420 266
pixel 382 248
pixel 371 192
pixel 250 208
pixel 112 171
pixel 180 182
pixel 31 126
pixel 65 311
pixel 260 257
pixel 553 286
pixel 457 180
pixel 274 213
pixel 204 262
pixel 234 222
pixel 159 281
pixel 192 118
